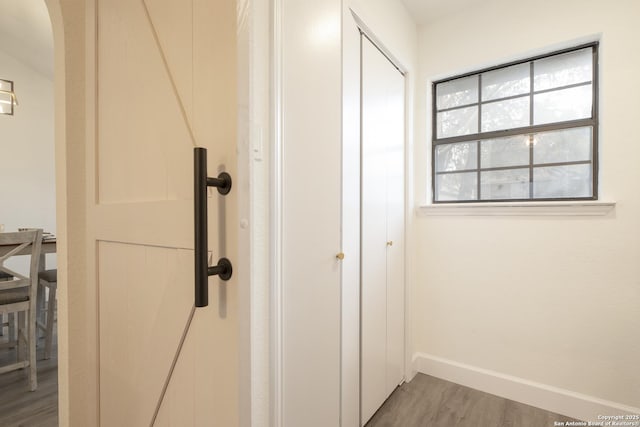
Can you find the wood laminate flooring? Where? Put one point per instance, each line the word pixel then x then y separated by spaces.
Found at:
pixel 424 402
pixel 18 406
pixel 431 402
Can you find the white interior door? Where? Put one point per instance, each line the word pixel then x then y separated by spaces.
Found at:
pixel 165 79
pixel 382 274
pixel 307 214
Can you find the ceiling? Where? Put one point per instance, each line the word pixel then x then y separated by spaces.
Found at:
pixel 25 28
pixel 25 33
pixel 426 11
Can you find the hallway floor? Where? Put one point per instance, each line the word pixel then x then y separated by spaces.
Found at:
pixel 431 402
pixel 424 402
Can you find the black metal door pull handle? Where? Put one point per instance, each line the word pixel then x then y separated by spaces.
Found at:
pixel 223 181
pixel 224 269
pixel 201 182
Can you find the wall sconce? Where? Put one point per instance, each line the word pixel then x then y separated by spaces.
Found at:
pixel 7 97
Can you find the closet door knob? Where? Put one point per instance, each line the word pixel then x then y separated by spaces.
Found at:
pixel 340 256
pixel 390 243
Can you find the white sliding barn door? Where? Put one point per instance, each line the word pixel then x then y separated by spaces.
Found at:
pixel 165 82
pixel 382 273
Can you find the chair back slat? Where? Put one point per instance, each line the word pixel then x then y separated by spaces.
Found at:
pixel 15 284
pixel 12 273
pixel 23 240
pixel 14 251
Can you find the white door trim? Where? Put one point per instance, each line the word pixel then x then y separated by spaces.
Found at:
pixel 377 42
pixel 255 29
pixel 276 220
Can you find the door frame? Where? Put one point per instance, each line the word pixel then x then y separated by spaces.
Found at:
pixel 353 26
pixel 350 331
pixel 254 160
pixel 77 323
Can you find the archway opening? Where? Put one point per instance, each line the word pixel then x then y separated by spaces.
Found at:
pixel 28 193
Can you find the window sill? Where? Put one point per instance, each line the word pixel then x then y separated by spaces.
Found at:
pixel 587 208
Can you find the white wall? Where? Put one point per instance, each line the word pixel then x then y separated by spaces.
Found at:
pixel 552 300
pixel 27 162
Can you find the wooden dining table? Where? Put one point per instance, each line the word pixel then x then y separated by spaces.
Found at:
pixel 48 247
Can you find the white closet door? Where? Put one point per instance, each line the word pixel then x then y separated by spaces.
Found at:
pixel 394 155
pixel 382 311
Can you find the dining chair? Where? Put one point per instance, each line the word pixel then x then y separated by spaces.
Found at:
pixel 47 280
pixel 19 296
pixel 3 278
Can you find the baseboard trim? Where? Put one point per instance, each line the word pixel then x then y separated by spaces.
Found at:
pixel 554 399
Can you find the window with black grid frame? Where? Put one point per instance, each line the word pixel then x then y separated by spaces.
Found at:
pixel 522 131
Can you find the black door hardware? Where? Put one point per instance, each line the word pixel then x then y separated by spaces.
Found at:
pixel 201 182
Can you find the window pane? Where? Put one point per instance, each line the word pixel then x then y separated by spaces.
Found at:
pixel 505 184
pixel 569 145
pixel 562 181
pixel 458 122
pixel 511 151
pixel 562 70
pixel 452 157
pixel 505 82
pixel 562 105
pixel 457 92
pixel 457 186
pixel 505 114
pixel 478 111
